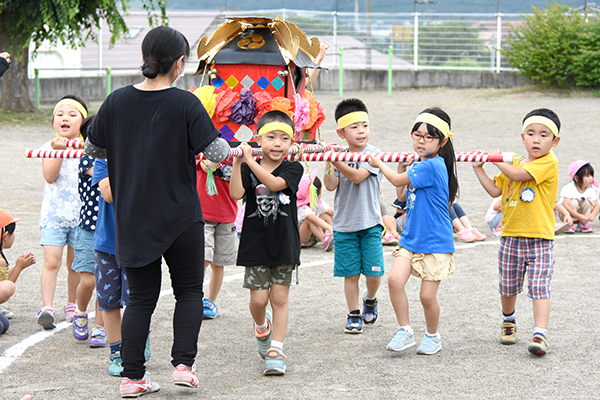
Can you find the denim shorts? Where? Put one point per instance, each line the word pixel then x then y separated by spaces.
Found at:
pixel 84 251
pixel 111 282
pixel 58 237
pixel 358 253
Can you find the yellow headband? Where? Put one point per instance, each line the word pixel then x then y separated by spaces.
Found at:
pixel 538 119
pixel 352 118
pixel 276 126
pixel 435 121
pixel 73 103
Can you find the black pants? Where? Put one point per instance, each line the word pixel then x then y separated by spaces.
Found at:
pixel 185 259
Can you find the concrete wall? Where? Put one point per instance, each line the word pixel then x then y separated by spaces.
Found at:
pixel 94 89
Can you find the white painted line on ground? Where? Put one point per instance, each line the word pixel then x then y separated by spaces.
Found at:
pixel 15 351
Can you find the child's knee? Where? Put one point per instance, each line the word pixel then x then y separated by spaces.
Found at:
pixel 7 290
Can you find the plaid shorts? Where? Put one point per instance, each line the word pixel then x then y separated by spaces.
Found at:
pixel 518 255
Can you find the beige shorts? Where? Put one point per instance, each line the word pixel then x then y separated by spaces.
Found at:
pixel 220 243
pixel 429 267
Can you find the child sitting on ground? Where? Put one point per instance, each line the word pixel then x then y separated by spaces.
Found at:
pixel 8 277
pixel 579 197
pixel 462 225
pixel 309 223
pixel 493 217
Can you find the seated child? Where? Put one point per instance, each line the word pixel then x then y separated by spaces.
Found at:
pixel 309 224
pixel 579 197
pixel 493 217
pixel 390 234
pixel 8 277
pixel 462 225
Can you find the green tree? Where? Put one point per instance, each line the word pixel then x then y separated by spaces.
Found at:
pixel 545 46
pixel 66 21
pixel 450 42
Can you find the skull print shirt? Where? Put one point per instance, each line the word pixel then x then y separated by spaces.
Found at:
pixel 270 234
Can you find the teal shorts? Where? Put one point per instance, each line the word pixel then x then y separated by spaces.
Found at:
pixel 359 252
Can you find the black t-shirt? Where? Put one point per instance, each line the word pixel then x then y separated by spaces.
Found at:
pixel 270 233
pixel 151 139
pixel 4 65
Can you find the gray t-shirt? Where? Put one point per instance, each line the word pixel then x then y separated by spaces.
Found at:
pixel 357 206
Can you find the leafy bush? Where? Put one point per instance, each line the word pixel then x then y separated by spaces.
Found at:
pixel 557 46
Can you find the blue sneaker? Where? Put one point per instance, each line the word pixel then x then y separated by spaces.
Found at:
pixel 402 340
pixel 354 324
pixel 430 345
pixel 263 340
pixel 274 362
pixel 369 310
pixel 210 309
pixel 98 337
pixel 115 367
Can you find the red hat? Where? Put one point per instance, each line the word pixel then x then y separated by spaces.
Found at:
pixel 7 219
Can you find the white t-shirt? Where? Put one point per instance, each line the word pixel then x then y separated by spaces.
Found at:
pixel 570 191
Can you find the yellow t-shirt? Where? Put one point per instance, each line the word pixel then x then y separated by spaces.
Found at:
pixel 528 207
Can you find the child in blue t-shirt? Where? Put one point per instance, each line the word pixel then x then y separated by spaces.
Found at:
pixel 426 248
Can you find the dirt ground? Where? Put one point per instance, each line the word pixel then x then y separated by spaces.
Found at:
pixel 322 361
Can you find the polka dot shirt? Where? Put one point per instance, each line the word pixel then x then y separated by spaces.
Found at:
pixel 88 195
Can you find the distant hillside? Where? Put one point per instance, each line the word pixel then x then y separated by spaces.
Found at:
pixel 402 6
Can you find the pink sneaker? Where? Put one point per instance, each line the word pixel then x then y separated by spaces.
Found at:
pixel 389 240
pixel 183 376
pixel 466 236
pixel 131 388
pixel 586 228
pixel 497 232
pixel 477 234
pixel 328 242
pixel 70 311
pixel 46 318
pixel 571 229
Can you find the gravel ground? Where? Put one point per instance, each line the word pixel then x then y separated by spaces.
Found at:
pixel 322 361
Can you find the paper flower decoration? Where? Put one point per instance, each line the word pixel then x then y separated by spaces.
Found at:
pixel 207 96
pixel 242 111
pixel 225 100
pixel 301 113
pixel 263 104
pixel 284 105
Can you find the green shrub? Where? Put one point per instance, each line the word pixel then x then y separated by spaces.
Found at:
pixel 557 46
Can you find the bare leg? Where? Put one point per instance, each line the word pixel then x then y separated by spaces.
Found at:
pixel 72 276
pixel 373 283
pixel 99 319
pixel 541 312
pixel 508 304
pixel 112 324
pixel 431 307
pixel 279 303
pixel 258 305
pixel 399 274
pixel 52 262
pixel 351 291
pixel 216 281
pixel 85 289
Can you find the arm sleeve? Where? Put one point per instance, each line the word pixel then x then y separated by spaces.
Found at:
pixel 421 175
pixel 292 175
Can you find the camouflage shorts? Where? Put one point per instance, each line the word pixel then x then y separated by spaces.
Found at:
pixel 262 277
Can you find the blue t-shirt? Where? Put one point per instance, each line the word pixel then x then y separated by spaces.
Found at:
pixel 88 195
pixel 104 238
pixel 428 227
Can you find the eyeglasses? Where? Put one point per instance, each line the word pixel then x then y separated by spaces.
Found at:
pixel 418 136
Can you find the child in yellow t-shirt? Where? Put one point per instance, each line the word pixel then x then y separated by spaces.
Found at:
pixel 528 187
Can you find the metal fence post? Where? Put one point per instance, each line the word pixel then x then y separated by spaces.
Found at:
pixel 37 87
pixel 416 43
pixel 341 86
pixel 108 80
pixel 498 42
pixel 391 52
pixel 335 21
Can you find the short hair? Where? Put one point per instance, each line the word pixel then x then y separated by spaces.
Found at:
pixel 161 48
pixel 544 112
pixel 348 106
pixel 275 116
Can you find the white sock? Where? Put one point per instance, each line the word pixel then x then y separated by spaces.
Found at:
pixel 277 345
pixel 541 331
pixel 408 329
pixel 262 328
pixel 80 313
pixel 370 298
pixel 435 335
